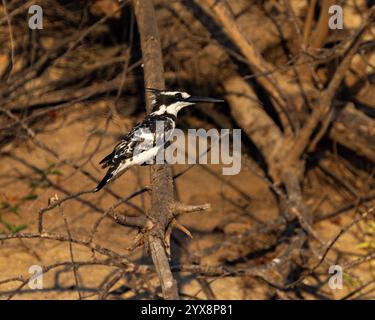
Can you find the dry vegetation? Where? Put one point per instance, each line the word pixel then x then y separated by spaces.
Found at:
pixel 302 94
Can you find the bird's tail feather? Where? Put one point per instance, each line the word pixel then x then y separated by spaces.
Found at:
pixel 105 162
pixel 108 177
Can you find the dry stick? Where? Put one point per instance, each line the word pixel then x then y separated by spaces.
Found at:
pixel 329 245
pixel 55 186
pixel 270 82
pixel 322 30
pixel 51 151
pixel 140 221
pixel 309 22
pixel 293 168
pixel 25 280
pixel 104 292
pixel 295 23
pixel 17 11
pixel 162 183
pixel 75 268
pixel 305 73
pixel 346 207
pixel 357 290
pixel 324 104
pixel 340 233
pixel 261 271
pixel 130 221
pixel 62 238
pixel 92 27
pixel 10 35
pixel 359 261
pixel 25 76
pixel 61 96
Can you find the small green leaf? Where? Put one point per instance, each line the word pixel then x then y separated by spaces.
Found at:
pixel 15 210
pixel 30 197
pixel 34 184
pixel 50 163
pixel 366 245
pixel 9 226
pixel 55 172
pixel 349 279
pixel 4 205
pixel 363 245
pixel 19 228
pixel 15 229
pixel 371 227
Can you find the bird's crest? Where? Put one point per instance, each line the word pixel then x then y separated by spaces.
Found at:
pixel 163 97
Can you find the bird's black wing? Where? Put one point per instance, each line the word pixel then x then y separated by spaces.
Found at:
pixel 143 136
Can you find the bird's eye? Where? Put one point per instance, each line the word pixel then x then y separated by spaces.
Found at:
pixel 178 95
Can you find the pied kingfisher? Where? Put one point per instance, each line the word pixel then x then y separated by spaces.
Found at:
pixel 140 145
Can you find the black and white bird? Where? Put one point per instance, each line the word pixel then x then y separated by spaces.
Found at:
pixel 143 142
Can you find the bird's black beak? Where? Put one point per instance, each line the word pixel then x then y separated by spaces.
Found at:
pixel 196 99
